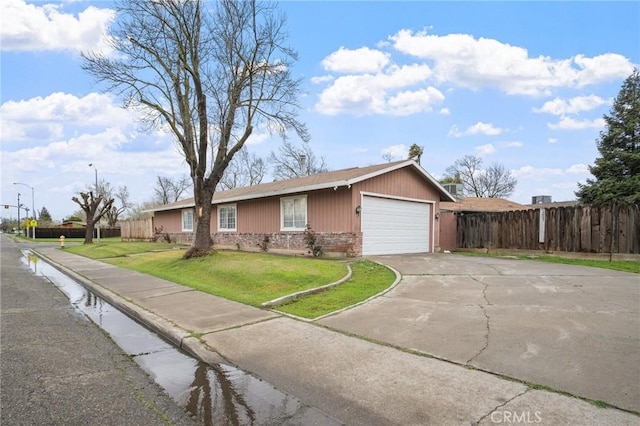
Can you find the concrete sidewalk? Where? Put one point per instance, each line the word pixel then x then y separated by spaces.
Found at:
pixel 352 379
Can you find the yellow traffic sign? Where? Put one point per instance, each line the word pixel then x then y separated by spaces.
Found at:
pixel 33 223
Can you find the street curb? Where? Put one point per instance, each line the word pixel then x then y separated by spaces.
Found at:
pixel 293 296
pixel 177 336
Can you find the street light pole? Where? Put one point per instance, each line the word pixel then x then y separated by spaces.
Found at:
pixel 33 205
pixel 98 222
pixel 19 214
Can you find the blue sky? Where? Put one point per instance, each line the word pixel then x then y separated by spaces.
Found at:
pixel 524 84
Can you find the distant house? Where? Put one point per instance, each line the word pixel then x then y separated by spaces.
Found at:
pixel 73 224
pixel 388 208
pixel 449 210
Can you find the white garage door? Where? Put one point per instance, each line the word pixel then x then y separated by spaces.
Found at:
pixel 394 226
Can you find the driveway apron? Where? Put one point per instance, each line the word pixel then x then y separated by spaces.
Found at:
pixel 570 328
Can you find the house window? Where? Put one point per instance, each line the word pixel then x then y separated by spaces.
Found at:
pixel 187 220
pixel 293 213
pixel 227 217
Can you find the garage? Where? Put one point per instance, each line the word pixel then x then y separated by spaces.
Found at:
pixel 392 226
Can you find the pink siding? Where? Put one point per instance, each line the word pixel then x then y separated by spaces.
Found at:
pixel 170 221
pixel 330 212
pixel 406 183
pixel 327 211
pixel 447 230
pixel 259 216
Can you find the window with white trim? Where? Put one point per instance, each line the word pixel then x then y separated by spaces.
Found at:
pixel 293 213
pixel 187 220
pixel 227 217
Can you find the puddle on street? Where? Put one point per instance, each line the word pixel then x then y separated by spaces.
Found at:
pixel 214 394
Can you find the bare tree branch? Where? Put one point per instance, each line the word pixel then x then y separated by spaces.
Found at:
pixel 94 209
pixel 208 71
pixel 494 182
pixel 244 170
pixel 295 161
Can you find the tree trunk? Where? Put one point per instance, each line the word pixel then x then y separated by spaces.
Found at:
pixel 202 243
pixel 88 235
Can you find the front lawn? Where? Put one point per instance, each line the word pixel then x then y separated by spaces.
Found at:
pixel 368 279
pixel 251 278
pixel 115 247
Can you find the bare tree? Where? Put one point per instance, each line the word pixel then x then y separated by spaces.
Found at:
pixel 245 169
pixel 494 182
pixel 122 196
pixel 141 210
pixel 94 208
pixel 208 71
pixel 497 182
pixel 295 161
pixel 169 190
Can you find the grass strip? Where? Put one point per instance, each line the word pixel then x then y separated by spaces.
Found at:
pixel 115 247
pixel 369 278
pixel 616 265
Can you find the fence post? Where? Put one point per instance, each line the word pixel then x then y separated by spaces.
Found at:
pixel 542 226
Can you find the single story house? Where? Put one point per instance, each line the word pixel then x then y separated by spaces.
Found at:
pixel 389 208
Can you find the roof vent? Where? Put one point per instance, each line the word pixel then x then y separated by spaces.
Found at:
pixel 540 199
pixel 454 189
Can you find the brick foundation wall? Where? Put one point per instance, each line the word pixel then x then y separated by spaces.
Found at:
pixel 344 244
pixel 333 243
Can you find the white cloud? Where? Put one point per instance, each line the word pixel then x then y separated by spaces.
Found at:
pixel 514 144
pixel 407 103
pixel 363 60
pixel 479 128
pixel 396 151
pixel 380 93
pixel 43 118
pixel 35 27
pixel 476 63
pixel 445 111
pixel 610 66
pixel 541 173
pixel 552 140
pixel 568 123
pixel 578 168
pixel 571 106
pixel 533 172
pixel 484 150
pixel 321 79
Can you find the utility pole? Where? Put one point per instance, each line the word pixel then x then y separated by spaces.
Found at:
pixel 19 232
pixel 98 222
pixel 33 207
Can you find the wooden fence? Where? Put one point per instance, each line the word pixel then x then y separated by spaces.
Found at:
pixel 582 228
pixel 137 230
pixel 74 232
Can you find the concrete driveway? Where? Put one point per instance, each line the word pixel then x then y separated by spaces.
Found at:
pixel 570 328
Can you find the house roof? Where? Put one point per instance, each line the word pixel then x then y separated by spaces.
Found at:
pixel 552 204
pixel 481 204
pixel 334 179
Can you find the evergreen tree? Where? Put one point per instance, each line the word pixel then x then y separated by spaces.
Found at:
pixel 45 217
pixel 617 170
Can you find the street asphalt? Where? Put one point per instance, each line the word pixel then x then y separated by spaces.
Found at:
pixel 426 352
pixel 58 368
